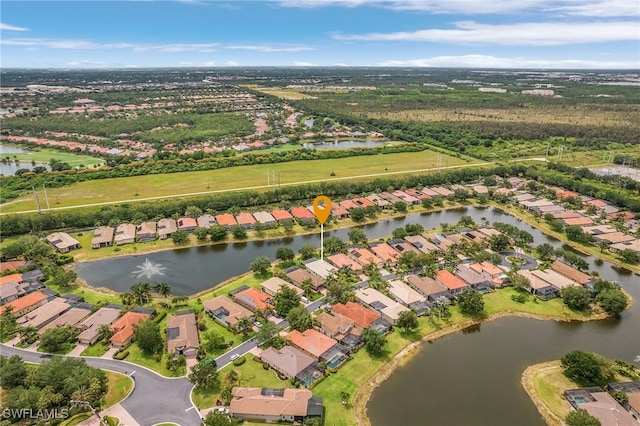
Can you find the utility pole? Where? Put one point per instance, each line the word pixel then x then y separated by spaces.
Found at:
pixel 45 196
pixel 36 197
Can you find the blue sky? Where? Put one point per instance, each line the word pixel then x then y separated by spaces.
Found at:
pixel 560 34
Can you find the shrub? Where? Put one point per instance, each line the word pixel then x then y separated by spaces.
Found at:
pixel 239 361
pixel 120 355
pixel 520 298
pixel 160 317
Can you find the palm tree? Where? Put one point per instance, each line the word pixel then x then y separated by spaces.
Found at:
pixel 127 298
pixel 104 332
pixel 162 288
pixel 244 325
pixel 27 332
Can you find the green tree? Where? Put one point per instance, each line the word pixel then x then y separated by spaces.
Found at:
pixel 499 242
pixel 285 300
pixel 214 341
pixel 56 339
pixel 339 290
pixel 621 397
pixel 308 251
pixel 239 232
pixel 333 245
pixel 357 214
pixel 612 300
pixel 13 371
pixel 466 221
pixel 8 323
pixel 399 233
pixel 193 212
pixel 285 254
pixel 300 319
pixel 576 233
pixel 180 237
pixel 147 335
pixel 218 233
pixel 357 236
pixel 261 265
pixel 589 369
pixel 215 418
pixel 201 233
pixel 576 297
pixel 545 251
pixel 268 333
pixel 104 332
pixel 62 277
pixel 581 417
pixel 471 303
pixel 204 375
pixel 629 256
pixel 400 206
pixel 374 341
pixel 407 320
pixel 162 288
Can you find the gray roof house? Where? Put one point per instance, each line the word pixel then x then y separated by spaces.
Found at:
pixel 90 327
pixel 166 227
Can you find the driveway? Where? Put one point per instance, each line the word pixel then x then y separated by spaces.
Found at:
pixel 154 399
pixel 529 262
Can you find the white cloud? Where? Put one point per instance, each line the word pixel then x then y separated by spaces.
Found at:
pixel 487 61
pixel 209 64
pixel 86 44
pixel 528 33
pixel 231 64
pixel 266 48
pixel 7 27
pixel 340 64
pixel 87 64
pixel 569 7
pixel 302 64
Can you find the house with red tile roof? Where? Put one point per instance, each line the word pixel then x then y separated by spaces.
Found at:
pixel 302 214
pixel 12 265
pixel 226 219
pixel 26 304
pixel 282 216
pixel 339 211
pixel 364 256
pixel 44 314
pixel 454 284
pixel 188 224
pixel 572 273
pixel 360 315
pixel 363 202
pixel 578 221
pixel 253 299
pixel 341 260
pixel 428 287
pixel 311 341
pixel 123 328
pixel 348 204
pixel 246 220
pixel 409 199
pixel 13 278
pixel 385 252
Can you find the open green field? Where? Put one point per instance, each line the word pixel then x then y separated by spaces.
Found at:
pixel 119 386
pixel 243 177
pixel 45 155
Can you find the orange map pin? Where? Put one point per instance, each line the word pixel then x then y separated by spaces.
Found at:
pixel 322 208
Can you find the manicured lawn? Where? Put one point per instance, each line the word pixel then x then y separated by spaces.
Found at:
pixel 136 356
pixel 550 385
pixel 165 185
pixel 500 301
pixel 119 386
pixel 45 155
pixel 97 350
pixel 250 373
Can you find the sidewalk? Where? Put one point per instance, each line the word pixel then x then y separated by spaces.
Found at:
pixel 109 353
pixel 113 411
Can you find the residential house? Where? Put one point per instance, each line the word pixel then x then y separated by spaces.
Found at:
pixel 90 327
pixel 472 278
pixel 613 238
pixel 578 221
pixel 274 405
pixel 13 265
pixel 364 256
pixel 33 276
pixel 44 314
pixel 430 192
pixel 12 291
pixel 166 227
pixel 146 231
pixel 363 202
pixel 246 220
pixel 442 191
pixel 454 284
pixel 282 216
pixel 392 199
pixel 409 297
pixel 338 211
pixel 13 278
pixel 26 304
pixel 631 245
pixel 361 316
pixel 402 246
pixel 490 272
pixel 302 214
pixel 388 308
pixel 182 334
pixel 123 329
pixel 379 201
pixel 428 287
pixel 319 267
pixel 227 312
pixel 417 194
pixel 298 276
pixel 341 328
pixel 553 278
pixel 341 260
pixel 321 347
pixel 421 243
pixel 63 242
pixel 293 364
pixel 71 317
pixel 253 299
pixel 273 285
pixel 188 224
pixel 266 219
pixel 539 287
pixel 403 196
pixel 480 189
pixel 573 274
pixel 227 220
pixel 102 236
pixel 125 234
pixel 349 204
pixel 601 405
pixel 206 221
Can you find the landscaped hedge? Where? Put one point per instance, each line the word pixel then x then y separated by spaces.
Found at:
pixel 239 361
pixel 160 317
pixel 76 419
pixel 120 355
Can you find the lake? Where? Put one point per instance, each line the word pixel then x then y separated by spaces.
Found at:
pixel 9 168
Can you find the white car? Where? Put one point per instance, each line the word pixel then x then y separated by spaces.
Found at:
pixel 234 356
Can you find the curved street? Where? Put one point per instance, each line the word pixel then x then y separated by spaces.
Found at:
pixel 154 399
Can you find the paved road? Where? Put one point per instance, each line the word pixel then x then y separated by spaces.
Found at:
pixel 529 262
pixel 155 399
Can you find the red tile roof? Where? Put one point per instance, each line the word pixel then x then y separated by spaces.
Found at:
pixel 311 341
pixel 258 299
pixel 26 301
pixel 123 327
pixel 302 213
pixel 281 215
pixel 12 266
pixel 359 314
pixel 449 280
pixel 226 219
pixel 246 219
pixel 13 278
